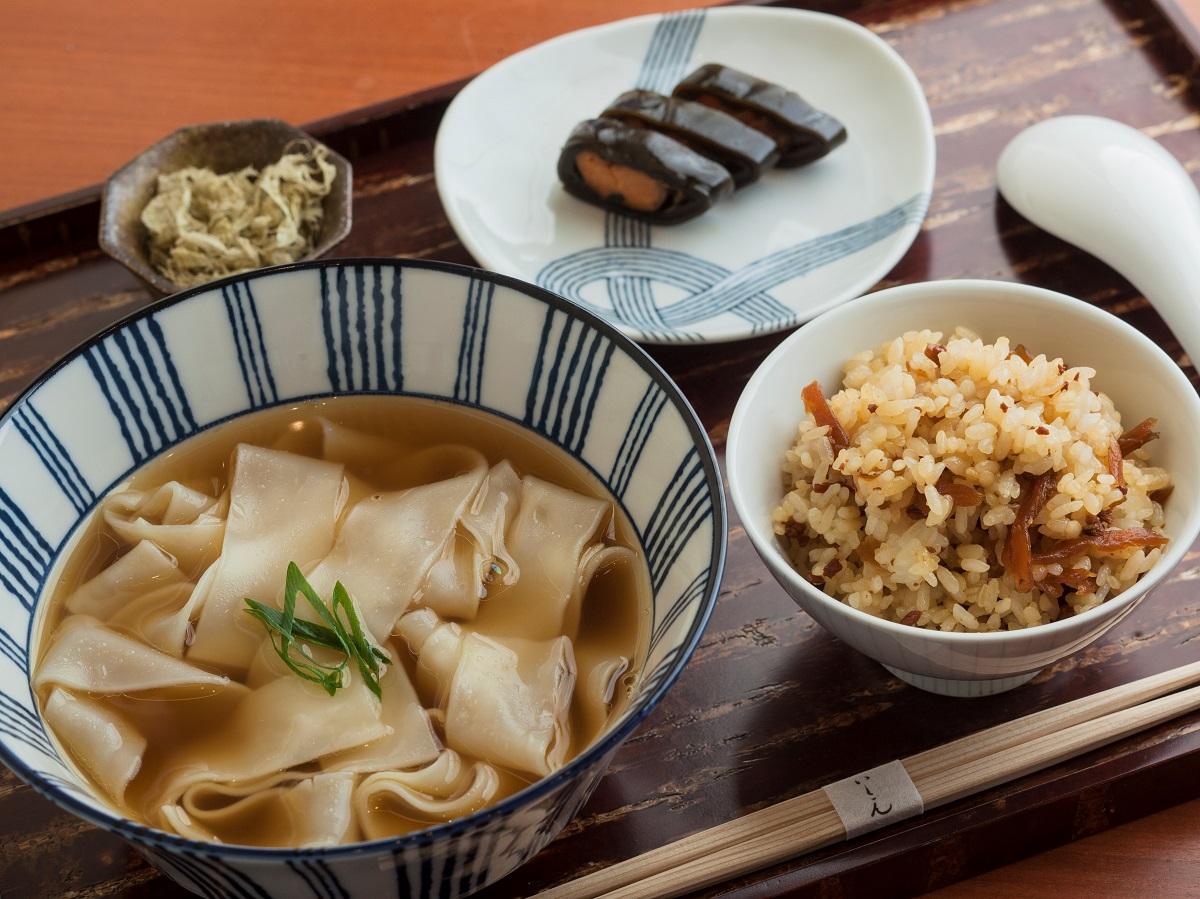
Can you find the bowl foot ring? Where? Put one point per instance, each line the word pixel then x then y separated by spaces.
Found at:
pixel 962 688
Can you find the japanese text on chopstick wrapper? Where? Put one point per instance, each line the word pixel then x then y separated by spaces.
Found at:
pixel 875 798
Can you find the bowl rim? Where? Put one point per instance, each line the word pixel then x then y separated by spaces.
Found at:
pixel 154 837
pixel 783 569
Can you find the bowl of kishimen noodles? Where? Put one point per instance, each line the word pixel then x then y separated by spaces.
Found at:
pixel 346 578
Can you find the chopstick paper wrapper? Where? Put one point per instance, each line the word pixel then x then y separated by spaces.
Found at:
pixel 875 798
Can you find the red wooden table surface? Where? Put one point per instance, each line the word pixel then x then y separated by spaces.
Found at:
pixel 85 86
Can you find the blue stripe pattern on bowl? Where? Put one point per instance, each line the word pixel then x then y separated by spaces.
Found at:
pixel 313 330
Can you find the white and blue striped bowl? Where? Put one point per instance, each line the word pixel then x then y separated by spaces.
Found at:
pixel 1141 379
pixel 356 326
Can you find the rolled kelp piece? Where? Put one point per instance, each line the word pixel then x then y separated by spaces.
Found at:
pixel 639 172
pixel 802 132
pixel 744 151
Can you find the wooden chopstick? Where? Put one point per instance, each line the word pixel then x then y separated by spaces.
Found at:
pixel 1025 758
pixel 803 836
pixel 941 774
pixel 1047 721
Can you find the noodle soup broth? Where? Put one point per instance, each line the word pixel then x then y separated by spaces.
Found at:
pixel 340 620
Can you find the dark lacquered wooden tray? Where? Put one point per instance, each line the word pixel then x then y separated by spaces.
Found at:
pixel 771 705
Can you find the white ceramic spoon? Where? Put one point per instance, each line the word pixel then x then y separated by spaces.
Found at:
pixel 1116 193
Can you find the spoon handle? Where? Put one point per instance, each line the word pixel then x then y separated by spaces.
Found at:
pixel 1112 191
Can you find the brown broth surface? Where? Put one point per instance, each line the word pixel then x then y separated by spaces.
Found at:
pixel 615 613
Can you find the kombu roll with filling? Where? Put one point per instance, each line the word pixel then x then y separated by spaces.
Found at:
pixel 744 151
pixel 803 132
pixel 639 172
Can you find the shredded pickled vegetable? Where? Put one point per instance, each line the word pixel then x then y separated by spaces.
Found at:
pixel 1019 550
pixel 1075 578
pixel 962 494
pixel 1116 466
pixel 1138 436
pixel 1108 542
pixel 818 408
pixel 1078 579
pixel 203 225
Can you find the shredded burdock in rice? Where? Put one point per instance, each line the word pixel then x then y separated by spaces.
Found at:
pixel 967 486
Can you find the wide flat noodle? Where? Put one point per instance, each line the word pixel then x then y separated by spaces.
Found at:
pixel 432 464
pixel 478 559
pixel 144 568
pixel 597 561
pixel 286 723
pixel 552 530
pixel 185 523
pixel 598 683
pixel 510 702
pixel 446 789
pixel 355 448
pixel 387 545
pixel 160 617
pixel 279 810
pixel 85 655
pixel 109 748
pixel 164 618
pixel 411 743
pixel 438 647
pixel 492 515
pixel 455 583
pixel 507 701
pixel 283 508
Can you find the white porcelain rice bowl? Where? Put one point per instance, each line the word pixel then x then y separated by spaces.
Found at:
pixel 1140 378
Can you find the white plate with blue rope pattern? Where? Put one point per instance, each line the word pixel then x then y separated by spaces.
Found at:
pixel 777 253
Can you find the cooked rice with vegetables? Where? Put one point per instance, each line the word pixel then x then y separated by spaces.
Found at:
pixel 965 486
